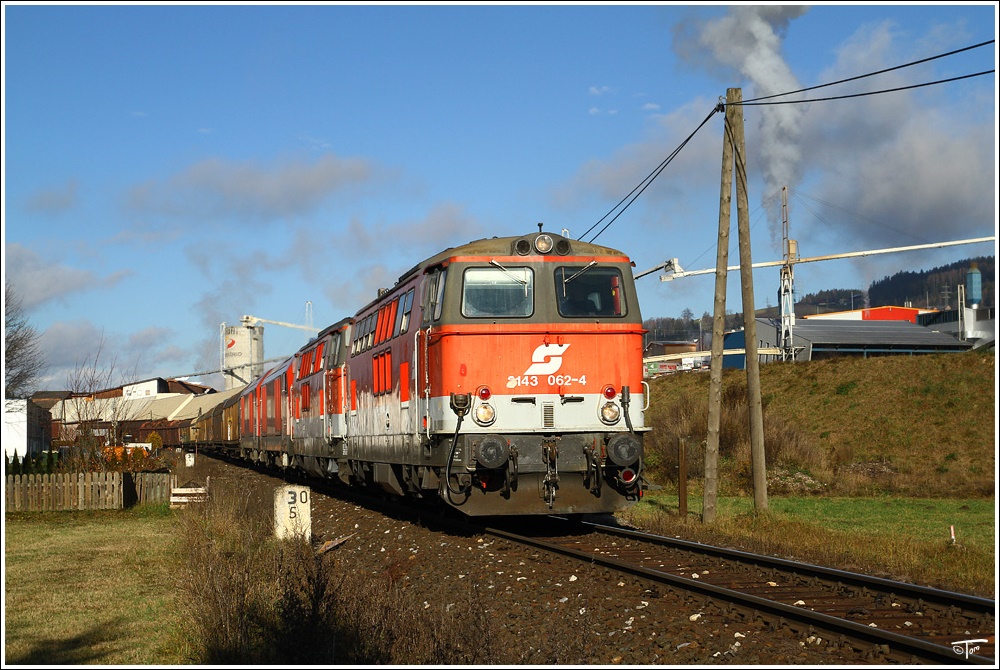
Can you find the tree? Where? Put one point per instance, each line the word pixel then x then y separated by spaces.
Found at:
pixel 23 358
pixel 96 414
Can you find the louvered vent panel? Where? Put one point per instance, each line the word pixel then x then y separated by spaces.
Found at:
pixel 548 415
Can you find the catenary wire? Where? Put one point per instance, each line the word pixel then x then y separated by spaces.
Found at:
pixel 859 95
pixel 649 179
pixel 637 191
pixel 871 74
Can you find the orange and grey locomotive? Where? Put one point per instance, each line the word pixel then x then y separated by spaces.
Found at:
pixel 503 377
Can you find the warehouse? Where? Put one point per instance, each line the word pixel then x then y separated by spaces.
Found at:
pixel 826 338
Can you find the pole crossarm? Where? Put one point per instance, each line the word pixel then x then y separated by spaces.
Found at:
pixel 761 351
pixel 672 267
pixel 251 321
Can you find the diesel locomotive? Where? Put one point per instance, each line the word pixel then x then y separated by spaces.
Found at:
pixel 501 377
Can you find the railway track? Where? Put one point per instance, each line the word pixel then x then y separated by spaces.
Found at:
pixel 896 621
pixel 876 619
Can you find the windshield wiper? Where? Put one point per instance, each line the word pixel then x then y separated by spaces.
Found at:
pixel 509 273
pixel 567 280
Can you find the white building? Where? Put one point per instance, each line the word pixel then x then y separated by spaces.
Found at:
pixel 26 429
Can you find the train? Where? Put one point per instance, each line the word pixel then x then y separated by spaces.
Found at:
pixel 500 377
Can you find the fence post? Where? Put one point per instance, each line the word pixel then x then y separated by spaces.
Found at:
pixel 682 478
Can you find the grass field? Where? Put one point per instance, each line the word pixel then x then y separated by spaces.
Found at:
pixel 918 426
pixel 93 588
pixel 873 462
pixel 907 539
pixel 103 587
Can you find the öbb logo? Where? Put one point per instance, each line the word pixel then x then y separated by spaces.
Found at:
pixel 546 359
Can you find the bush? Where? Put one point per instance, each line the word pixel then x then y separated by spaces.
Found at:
pixel 256 600
pixel 684 417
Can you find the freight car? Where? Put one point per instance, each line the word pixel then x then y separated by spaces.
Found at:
pixel 502 377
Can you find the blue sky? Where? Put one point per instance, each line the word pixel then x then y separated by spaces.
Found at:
pixel 171 168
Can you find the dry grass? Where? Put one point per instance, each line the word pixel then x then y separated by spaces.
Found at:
pixel 907 425
pixel 253 600
pixel 250 598
pixel 873 439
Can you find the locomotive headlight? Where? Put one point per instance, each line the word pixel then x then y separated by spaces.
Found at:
pixel 623 450
pixel 543 244
pixel 492 452
pixel 610 413
pixel 484 414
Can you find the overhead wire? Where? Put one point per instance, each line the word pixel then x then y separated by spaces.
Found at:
pixel 802 196
pixel 638 190
pixel 860 95
pixel 872 74
pixel 648 180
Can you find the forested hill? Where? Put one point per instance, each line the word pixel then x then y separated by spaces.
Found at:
pixel 936 288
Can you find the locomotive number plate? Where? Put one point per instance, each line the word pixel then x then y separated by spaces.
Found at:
pixel 514 381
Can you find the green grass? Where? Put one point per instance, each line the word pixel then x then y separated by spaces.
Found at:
pixel 895 537
pixel 92 588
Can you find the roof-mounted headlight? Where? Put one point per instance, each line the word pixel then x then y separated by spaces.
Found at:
pixel 543 244
pixel 522 247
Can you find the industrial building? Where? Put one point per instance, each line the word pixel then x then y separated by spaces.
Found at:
pixel 816 339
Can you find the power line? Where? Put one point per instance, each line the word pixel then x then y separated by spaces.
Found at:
pixel 872 74
pixel 637 191
pixel 649 179
pixel 802 196
pixel 859 95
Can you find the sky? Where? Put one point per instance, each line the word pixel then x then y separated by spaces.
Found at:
pixel 170 168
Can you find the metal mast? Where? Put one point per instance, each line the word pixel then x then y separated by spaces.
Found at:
pixel 786 290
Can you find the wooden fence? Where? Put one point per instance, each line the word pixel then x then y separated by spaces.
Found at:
pixel 86 490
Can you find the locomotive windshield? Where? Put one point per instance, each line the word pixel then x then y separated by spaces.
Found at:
pixel 589 290
pixel 498 292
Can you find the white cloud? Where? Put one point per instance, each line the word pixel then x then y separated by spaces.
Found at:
pixel 610 179
pixel 39 280
pixel 216 189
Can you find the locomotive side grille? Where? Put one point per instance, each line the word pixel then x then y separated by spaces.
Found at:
pixel 548 415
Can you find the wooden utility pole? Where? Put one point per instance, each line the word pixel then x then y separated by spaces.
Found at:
pixel 757 461
pixel 734 143
pixel 708 510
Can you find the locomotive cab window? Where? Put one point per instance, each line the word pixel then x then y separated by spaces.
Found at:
pixel 589 290
pixel 403 318
pixel 433 300
pixel 498 292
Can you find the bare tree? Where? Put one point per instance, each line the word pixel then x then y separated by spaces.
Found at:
pixel 96 414
pixel 23 360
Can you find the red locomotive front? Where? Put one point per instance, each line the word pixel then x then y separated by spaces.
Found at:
pixel 529 371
